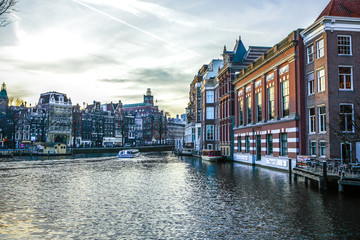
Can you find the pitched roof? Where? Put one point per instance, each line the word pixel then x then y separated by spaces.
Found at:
pixel 342 8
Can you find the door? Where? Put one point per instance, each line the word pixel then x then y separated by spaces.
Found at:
pixel 258 147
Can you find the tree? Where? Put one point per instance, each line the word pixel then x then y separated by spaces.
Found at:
pixel 6 7
pixel 346 125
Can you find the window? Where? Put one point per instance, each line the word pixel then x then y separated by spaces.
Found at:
pixel 313 148
pixel 283 144
pixel 310 54
pixel 285 98
pixel 241 113
pixel 269 144
pixel 209 96
pixel 345 78
pixel 320 49
pixel 346 117
pixel 344 45
pixel 210 113
pixel 247 144
pixel 346 152
pixel 312 125
pixel 322 119
pixel 248 110
pixel 271 100
pixel 322 148
pixel 210 132
pixel 321 80
pixel 311 86
pixel 239 144
pixel 258 107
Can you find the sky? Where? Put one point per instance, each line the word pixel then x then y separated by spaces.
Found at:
pixel 111 50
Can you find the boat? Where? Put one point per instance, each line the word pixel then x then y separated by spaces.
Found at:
pixel 211 155
pixel 128 153
pixel 186 152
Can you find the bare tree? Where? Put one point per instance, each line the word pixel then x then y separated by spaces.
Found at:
pixel 6 7
pixel 346 126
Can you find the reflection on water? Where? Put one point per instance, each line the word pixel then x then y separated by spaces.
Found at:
pixel 159 196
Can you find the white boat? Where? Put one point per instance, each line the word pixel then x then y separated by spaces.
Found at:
pixel 211 155
pixel 186 152
pixel 129 153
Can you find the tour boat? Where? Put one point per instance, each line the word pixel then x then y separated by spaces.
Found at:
pixel 129 153
pixel 211 155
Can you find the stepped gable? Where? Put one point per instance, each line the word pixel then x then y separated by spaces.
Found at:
pixel 342 8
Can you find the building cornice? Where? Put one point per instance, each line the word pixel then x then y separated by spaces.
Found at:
pixel 330 23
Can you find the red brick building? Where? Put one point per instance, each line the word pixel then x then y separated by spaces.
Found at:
pixel 269 110
pixel 234 62
pixel 332 82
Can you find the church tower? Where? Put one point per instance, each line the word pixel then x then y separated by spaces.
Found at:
pixel 4 100
pixel 148 98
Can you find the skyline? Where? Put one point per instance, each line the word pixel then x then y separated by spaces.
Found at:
pixel 131 46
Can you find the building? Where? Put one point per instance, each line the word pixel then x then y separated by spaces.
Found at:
pixel 22 123
pixel 233 62
pixel 38 125
pixel 209 107
pixel 76 126
pixel 332 86
pixel 59 114
pixel 194 111
pixel 96 118
pixel 269 112
pixel 151 127
pixel 175 130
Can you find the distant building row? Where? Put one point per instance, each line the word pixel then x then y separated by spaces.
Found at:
pixel 266 105
pixel 55 120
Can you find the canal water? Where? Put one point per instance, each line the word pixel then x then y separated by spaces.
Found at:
pixel 160 196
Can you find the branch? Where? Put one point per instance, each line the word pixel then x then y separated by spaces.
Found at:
pixel 6 7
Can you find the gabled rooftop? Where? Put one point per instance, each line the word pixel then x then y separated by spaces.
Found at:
pixel 342 8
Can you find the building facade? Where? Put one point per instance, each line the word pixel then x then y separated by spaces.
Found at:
pixel 208 106
pixel 59 116
pixel 269 112
pixel 332 46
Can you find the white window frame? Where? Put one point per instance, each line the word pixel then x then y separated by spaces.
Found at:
pixel 208 131
pixel 210 113
pixel 311 81
pixel 352 78
pixel 352 117
pixel 312 131
pixel 308 53
pixel 322 119
pixel 209 96
pixel 311 148
pixel 320 51
pixel 350 54
pixel 341 150
pixel 320 147
pixel 320 87
pixel 285 98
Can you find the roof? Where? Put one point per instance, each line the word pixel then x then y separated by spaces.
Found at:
pixel 342 8
pixel 136 105
pixel 45 97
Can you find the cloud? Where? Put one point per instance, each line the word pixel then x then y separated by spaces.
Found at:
pixel 63 66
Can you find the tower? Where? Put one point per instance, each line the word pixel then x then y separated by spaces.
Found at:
pixel 4 100
pixel 148 98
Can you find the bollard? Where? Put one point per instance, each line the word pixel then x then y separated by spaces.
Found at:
pixel 324 175
pixel 290 169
